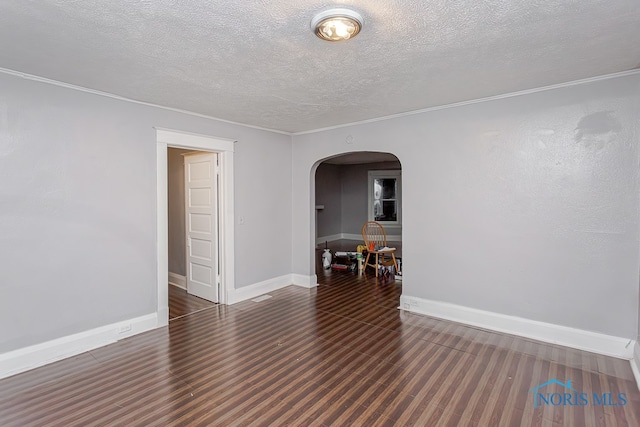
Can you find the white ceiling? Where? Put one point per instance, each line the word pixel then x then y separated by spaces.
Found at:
pixel 258 63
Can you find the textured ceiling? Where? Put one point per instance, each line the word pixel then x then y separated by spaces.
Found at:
pixel 258 63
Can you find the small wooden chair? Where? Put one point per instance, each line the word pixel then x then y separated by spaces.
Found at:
pixel 374 235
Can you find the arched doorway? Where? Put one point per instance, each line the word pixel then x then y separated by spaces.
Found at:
pixel 351 189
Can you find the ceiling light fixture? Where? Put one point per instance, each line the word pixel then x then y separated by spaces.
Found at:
pixel 336 24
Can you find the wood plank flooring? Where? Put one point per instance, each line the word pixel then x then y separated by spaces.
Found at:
pixel 338 355
pixel 181 303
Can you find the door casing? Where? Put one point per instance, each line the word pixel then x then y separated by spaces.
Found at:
pixel 224 147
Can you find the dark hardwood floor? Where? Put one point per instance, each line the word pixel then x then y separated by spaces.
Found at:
pixel 182 304
pixel 339 355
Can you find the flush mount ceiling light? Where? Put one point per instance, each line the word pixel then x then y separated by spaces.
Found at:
pixel 336 24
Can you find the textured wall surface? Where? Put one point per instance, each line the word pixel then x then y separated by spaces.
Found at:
pixel 526 206
pixel 78 208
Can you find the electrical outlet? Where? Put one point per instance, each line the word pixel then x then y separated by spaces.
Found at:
pixel 407 306
pixel 124 328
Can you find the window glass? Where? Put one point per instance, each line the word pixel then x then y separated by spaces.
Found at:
pixel 384 196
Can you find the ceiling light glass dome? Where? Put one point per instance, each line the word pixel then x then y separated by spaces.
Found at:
pixel 337 24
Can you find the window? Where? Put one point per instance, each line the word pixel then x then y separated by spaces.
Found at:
pixel 385 197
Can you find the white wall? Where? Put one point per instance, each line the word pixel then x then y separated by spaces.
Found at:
pixel 525 206
pixel 176 210
pixel 78 200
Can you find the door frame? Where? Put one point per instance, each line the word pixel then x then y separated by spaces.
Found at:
pixel 166 138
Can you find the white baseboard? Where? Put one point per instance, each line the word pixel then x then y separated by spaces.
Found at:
pixel 547 332
pixel 305 281
pixel 249 292
pixel 163 317
pixel 31 357
pixel 178 280
pixel 331 238
pixel 351 236
pixel 390 237
pixel 635 363
pixel 257 289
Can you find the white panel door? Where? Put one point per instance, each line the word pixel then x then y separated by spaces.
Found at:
pixel 201 217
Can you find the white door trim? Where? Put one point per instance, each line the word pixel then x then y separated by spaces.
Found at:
pixel 171 138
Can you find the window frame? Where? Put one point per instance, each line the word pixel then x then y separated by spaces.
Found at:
pixel 385 174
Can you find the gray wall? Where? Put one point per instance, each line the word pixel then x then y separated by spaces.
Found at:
pixel 78 208
pixel 343 190
pixel 328 193
pixel 176 211
pixel 525 206
pixel 355 196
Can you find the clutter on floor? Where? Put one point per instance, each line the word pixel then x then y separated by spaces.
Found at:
pixel 353 261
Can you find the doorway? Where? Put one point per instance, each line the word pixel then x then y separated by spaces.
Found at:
pixel 351 189
pixel 222 151
pixel 193 178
